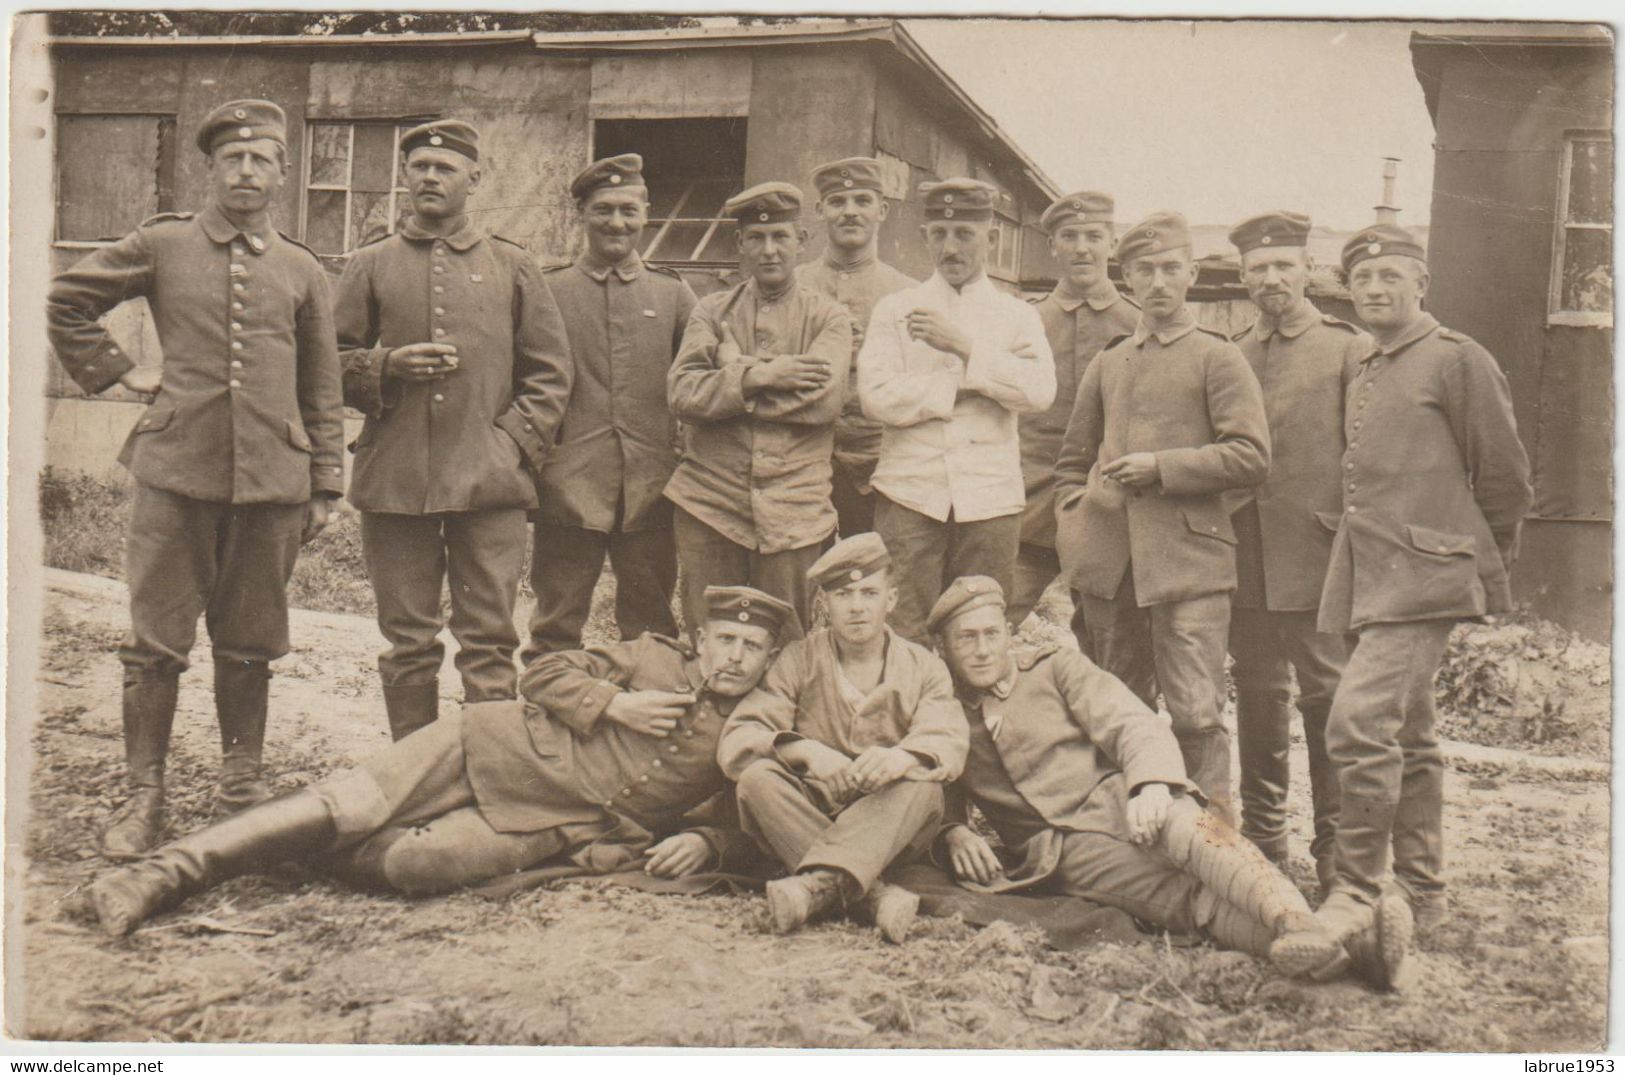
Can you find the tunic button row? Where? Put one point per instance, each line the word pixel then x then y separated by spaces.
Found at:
pixel 236 345
pixel 657 763
pixel 439 311
pixel 238 287
pixel 235 383
pixel 673 748
pixel 438 398
pixel 439 331
pixel 439 268
pixel 439 250
pixel 439 289
pixel 236 365
pixel 235 305
pixel 236 326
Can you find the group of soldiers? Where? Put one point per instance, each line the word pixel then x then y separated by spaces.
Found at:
pixel 919 460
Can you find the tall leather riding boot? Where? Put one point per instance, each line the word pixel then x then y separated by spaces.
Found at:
pixel 1207 762
pixel 1235 872
pixel 1325 793
pixel 241 690
pixel 1419 846
pixel 289 826
pixel 1263 734
pixel 149 714
pixel 411 706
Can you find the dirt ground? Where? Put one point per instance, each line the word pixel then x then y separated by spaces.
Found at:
pixel 1521 965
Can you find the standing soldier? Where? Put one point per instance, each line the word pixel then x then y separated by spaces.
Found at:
pixel 946 367
pixel 1436 484
pixel 852 204
pixel 1304 360
pixel 455 351
pixel 235 462
pixel 1168 419
pixel 1082 315
pixel 760 378
pixel 600 490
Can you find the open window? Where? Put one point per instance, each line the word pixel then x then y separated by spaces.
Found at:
pixel 1582 286
pixel 691 167
pixel 112 172
pixel 355 191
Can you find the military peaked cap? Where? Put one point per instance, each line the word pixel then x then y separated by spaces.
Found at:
pixel 1083 207
pixel 1380 239
pixel 623 171
pixel 1155 234
pixel 849 560
pixel 452 134
pixel 964 594
pixel 765 203
pixel 853 173
pixel 242 121
pixel 959 199
pixel 742 604
pixel 1277 228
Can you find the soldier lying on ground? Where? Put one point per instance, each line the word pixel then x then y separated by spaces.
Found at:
pixel 1085 785
pixel 842 753
pixel 608 750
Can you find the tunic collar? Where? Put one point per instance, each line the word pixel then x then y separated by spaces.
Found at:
pixel 593 266
pixel 459 240
pixel 1291 324
pixel 1424 324
pixel 1102 296
pixel 835 265
pixel 1183 324
pixel 974 289
pixel 221 230
pixel 754 290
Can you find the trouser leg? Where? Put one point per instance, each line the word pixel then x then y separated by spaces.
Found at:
pixel 854 508
pixel 454 850
pixel 708 559
pixel 896 823
pixel 1389 665
pixel 1120 635
pixel 1102 868
pixel 1036 567
pixel 1419 820
pixel 565 564
pixel 645 563
pixel 485 555
pixel 406 561
pixel 1187 642
pixel 984 547
pixel 784 575
pixel 777 811
pixel 1263 726
pixel 247 613
pixel 919 550
pixel 1318 659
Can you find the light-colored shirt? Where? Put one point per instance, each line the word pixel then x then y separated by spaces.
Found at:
pixel 950 444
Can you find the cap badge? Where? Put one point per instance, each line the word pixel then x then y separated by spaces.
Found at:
pixel 948 199
pixel 1078 206
pixel 762 217
pixel 615 179
pixel 1374 249
pixel 1266 240
pixel 1151 233
pixel 947 212
pixel 435 140
pixel 245 132
pixel 846 182
pixel 744 617
pixel 240 114
pixel 854 574
pixel 1370 236
pixel 744 602
pixel 845 172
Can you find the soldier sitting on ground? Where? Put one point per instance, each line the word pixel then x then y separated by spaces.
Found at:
pixel 1084 785
pixel 842 754
pixel 608 750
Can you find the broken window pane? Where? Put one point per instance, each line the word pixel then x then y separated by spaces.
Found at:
pixel 329 154
pixel 1591 183
pixel 324 221
pixel 1588 275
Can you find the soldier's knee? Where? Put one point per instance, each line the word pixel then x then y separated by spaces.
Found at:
pixel 417 865
pixel 762 778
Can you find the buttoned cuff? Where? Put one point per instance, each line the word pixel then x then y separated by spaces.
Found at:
pixel 103 367
pixel 1177 471
pixel 524 434
pixel 364 385
pixel 733 386
pixel 326 480
pixel 592 705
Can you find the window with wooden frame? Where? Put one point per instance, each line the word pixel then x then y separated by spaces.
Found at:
pixel 691 166
pixel 1004 260
pixel 112 173
pixel 355 190
pixel 1582 277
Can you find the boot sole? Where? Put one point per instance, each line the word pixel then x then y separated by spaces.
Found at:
pixel 787 913
pixel 1395 930
pixel 1307 954
pixel 895 912
pixel 113 914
